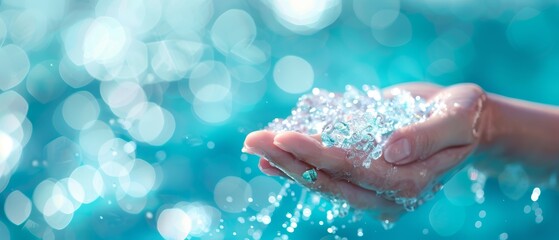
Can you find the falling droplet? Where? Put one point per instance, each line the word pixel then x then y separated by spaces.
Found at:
pixel 387 224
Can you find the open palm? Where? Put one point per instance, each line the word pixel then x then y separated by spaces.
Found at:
pixel 415 161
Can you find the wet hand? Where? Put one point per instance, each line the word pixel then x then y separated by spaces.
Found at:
pixel 415 158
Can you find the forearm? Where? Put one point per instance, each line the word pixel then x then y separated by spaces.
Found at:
pixel 523 132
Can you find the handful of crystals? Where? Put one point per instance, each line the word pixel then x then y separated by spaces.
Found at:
pixel 360 122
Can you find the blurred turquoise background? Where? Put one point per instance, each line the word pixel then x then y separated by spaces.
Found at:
pixel 123 119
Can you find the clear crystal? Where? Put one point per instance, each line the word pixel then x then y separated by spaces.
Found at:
pixel 360 122
pixel 310 175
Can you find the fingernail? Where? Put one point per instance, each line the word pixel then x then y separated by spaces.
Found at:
pixel 279 136
pixel 398 151
pixel 250 150
pixel 279 145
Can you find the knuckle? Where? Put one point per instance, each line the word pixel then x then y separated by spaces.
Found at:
pixel 339 174
pixel 374 178
pixel 471 112
pixel 471 86
pixel 422 140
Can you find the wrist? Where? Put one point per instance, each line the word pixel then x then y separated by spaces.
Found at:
pixel 489 119
pixel 486 156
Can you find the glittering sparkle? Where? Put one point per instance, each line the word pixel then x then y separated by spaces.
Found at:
pixel 360 122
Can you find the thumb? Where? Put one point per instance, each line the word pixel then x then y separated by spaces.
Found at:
pixel 451 125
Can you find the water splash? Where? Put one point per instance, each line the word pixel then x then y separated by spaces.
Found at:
pixel 360 122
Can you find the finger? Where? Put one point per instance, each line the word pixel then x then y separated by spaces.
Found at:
pixel 310 149
pixel 407 181
pixel 419 141
pixel 447 159
pixel 334 161
pixel 270 170
pixel 451 125
pixel 262 141
pixel 412 179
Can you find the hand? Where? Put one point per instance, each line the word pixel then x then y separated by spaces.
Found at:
pixel 415 158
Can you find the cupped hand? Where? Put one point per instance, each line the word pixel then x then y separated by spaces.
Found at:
pixel 415 159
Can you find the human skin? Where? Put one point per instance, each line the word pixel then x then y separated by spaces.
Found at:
pixel 418 157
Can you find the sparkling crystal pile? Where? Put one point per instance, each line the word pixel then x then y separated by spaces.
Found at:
pixel 360 122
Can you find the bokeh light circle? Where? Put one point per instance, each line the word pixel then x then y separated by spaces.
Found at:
pixel 93 136
pixel 29 29
pixel 151 124
pixel 130 204
pixel 73 38
pixel 262 189
pixel 113 159
pixel 224 39
pixel 44 82
pixel 173 223
pixel 204 218
pixel 396 34
pixel 293 74
pixel 141 179
pixel 6 147
pixel 141 15
pixel 3 32
pixel 17 207
pixel 104 40
pixel 80 109
pixel 15 66
pixel 15 131
pixel 4 231
pixel 173 59
pixel 90 180
pixel 446 218
pixel 42 193
pixel 194 21
pixel 122 97
pixel 370 12
pixel 213 112
pixel 74 75
pixel 458 190
pixel 72 192
pixel 249 94
pixel 514 181
pixel 132 63
pixel 76 190
pixel 306 17
pixel 14 105
pixel 529 31
pixel 249 63
pixel 231 194
pixel 59 220
pixel 62 156
pixel 210 81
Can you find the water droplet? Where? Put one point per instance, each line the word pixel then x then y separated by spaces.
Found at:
pixel 387 224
